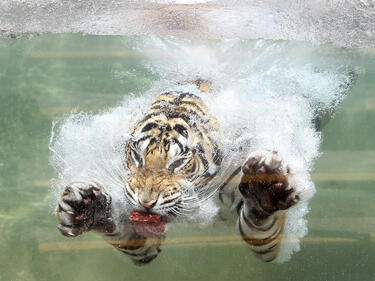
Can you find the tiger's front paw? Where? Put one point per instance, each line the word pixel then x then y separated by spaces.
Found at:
pixel 79 206
pixel 265 177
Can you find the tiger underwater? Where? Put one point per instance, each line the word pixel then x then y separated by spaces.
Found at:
pixel 173 157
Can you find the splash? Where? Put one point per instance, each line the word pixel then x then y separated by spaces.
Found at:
pixel 345 23
pixel 266 95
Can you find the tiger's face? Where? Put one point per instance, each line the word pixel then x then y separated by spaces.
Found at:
pixel 171 155
pixel 155 191
pixel 161 169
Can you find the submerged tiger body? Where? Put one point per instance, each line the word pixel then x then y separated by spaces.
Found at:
pixel 172 157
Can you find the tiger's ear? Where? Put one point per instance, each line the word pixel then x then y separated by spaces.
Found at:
pixel 134 159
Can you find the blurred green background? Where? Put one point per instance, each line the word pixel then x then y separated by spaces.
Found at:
pixel 45 77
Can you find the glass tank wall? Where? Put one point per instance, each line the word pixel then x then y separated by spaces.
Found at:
pixel 45 78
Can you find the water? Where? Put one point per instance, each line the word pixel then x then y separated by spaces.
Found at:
pixel 265 95
pixel 46 77
pixel 345 23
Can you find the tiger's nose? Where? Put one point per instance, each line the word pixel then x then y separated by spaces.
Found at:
pixel 148 204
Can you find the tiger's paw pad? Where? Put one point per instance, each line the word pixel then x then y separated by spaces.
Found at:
pixel 265 177
pixel 78 205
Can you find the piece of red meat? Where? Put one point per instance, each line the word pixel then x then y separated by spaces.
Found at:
pixel 146 224
pixel 137 216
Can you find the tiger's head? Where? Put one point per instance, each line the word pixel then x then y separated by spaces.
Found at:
pixel 171 155
pixel 164 164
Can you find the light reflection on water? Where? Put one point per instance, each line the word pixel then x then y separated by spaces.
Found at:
pixel 46 77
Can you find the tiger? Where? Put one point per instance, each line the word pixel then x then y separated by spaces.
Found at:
pixel 173 157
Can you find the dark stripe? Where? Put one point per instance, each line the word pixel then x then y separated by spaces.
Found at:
pixel 217 156
pixel 148 116
pixel 147 259
pixel 201 154
pixel 168 195
pixel 239 207
pixel 171 93
pixel 166 145
pixel 128 193
pixel 221 197
pixel 251 226
pixel 183 116
pixel 193 104
pixel 193 125
pixel 155 107
pixel 141 139
pixel 179 144
pixel 131 188
pixel 265 251
pixel 181 94
pixel 145 252
pixel 138 158
pixel 61 208
pixel 168 201
pixel 255 241
pixel 152 141
pixel 134 243
pixel 149 127
pixel 174 114
pixel 247 222
pixel 275 233
pixel 181 130
pixel 232 196
pixel 191 166
pixel 176 164
pixel 201 119
pixel 269 259
pixel 179 103
pixel 112 234
pixel 185 94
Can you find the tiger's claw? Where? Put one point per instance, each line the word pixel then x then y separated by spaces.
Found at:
pixel 265 178
pixel 79 207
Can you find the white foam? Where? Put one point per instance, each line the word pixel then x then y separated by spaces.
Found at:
pixel 345 23
pixel 295 228
pixel 265 97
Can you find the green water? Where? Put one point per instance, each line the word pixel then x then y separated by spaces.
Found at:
pixel 43 78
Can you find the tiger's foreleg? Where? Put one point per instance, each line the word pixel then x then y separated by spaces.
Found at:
pixel 266 192
pixel 84 206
